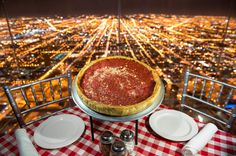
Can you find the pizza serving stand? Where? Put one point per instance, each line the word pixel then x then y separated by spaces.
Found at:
pixel 93 114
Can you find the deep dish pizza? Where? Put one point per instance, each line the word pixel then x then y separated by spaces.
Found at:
pixel 118 86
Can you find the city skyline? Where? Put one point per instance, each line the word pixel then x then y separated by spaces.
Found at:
pixel 33 36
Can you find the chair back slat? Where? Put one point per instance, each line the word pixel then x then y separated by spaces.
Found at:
pixel 208 97
pixel 184 90
pixel 60 88
pixel 39 97
pixel 69 83
pixel 25 97
pixel 194 87
pixel 203 88
pixel 219 95
pixel 52 90
pixel 229 96
pixel 34 95
pixel 43 92
pixel 211 91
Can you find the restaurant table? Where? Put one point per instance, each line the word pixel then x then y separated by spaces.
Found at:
pixel 149 143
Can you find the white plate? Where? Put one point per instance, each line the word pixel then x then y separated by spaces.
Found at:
pixel 173 125
pixel 59 131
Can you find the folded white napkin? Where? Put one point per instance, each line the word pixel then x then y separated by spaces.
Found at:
pixel 24 144
pixel 199 141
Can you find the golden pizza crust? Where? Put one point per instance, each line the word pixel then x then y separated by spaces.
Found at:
pixel 114 110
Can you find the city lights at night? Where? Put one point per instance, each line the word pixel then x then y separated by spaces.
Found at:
pixel 120 77
pixel 48 46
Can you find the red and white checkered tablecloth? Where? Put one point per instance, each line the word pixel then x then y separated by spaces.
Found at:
pixel 149 144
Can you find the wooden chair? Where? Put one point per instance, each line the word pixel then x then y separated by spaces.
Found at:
pixel 32 102
pixel 208 97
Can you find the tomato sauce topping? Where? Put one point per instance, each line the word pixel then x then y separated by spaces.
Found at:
pixel 117 81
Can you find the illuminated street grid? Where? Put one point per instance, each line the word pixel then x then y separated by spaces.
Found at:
pixel 50 46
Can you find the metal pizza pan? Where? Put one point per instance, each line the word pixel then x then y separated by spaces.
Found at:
pixel 78 101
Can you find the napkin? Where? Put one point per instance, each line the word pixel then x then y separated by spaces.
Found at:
pixel 199 141
pixel 24 144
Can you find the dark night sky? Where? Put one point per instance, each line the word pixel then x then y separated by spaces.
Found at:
pixel 77 7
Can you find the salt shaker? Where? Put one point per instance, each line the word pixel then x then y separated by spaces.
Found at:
pixel 127 137
pixel 118 149
pixel 106 140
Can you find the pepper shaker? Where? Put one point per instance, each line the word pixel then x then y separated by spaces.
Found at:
pixel 127 137
pixel 106 140
pixel 118 149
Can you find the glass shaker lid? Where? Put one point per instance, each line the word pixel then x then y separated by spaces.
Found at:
pixel 127 135
pixel 118 146
pixel 107 137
